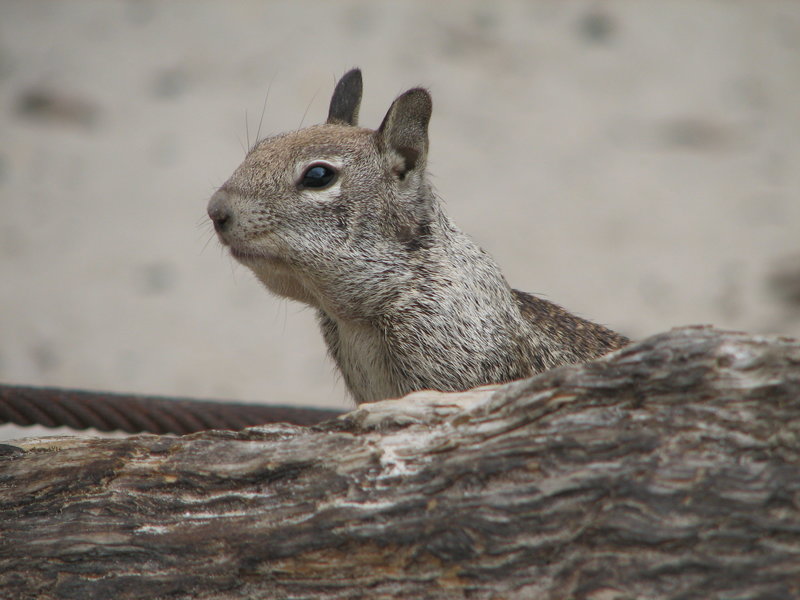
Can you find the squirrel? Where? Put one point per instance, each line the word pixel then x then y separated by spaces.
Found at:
pixel 344 219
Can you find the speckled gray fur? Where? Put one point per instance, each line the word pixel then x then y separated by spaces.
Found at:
pixel 405 300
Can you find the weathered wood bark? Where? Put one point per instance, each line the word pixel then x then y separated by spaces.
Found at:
pixel 670 469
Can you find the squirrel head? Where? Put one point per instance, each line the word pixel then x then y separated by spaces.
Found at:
pixel 322 208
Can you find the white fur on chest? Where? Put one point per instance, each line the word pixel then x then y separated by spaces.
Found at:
pixel 363 359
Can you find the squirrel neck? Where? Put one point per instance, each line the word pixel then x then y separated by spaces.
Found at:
pixel 439 316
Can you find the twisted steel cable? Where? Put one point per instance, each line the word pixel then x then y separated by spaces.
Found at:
pixel 105 411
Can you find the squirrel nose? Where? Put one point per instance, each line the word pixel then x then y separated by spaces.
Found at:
pixel 220 211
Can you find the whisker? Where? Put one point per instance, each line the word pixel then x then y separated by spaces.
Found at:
pixel 232 263
pixel 310 102
pixel 263 110
pixel 208 241
pixel 202 221
pixel 247 130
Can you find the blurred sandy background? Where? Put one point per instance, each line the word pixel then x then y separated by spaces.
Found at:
pixel 637 162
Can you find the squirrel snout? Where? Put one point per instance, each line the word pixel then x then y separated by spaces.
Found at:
pixel 220 212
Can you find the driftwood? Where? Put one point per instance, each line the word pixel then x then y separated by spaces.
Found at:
pixel 670 469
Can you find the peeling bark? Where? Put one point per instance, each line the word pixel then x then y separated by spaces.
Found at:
pixel 669 469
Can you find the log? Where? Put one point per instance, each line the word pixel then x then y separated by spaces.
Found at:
pixel 669 469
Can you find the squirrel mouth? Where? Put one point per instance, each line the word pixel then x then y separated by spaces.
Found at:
pixel 246 256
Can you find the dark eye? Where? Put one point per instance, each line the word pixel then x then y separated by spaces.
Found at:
pixel 317 176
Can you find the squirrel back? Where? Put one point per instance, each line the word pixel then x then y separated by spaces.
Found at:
pixel 344 219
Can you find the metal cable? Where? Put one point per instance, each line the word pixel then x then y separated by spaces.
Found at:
pixel 105 411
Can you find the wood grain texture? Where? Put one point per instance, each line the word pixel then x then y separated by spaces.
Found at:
pixel 670 469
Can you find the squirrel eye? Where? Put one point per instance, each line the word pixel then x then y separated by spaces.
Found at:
pixel 317 176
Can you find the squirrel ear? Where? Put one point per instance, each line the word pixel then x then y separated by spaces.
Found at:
pixel 346 99
pixel 405 127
